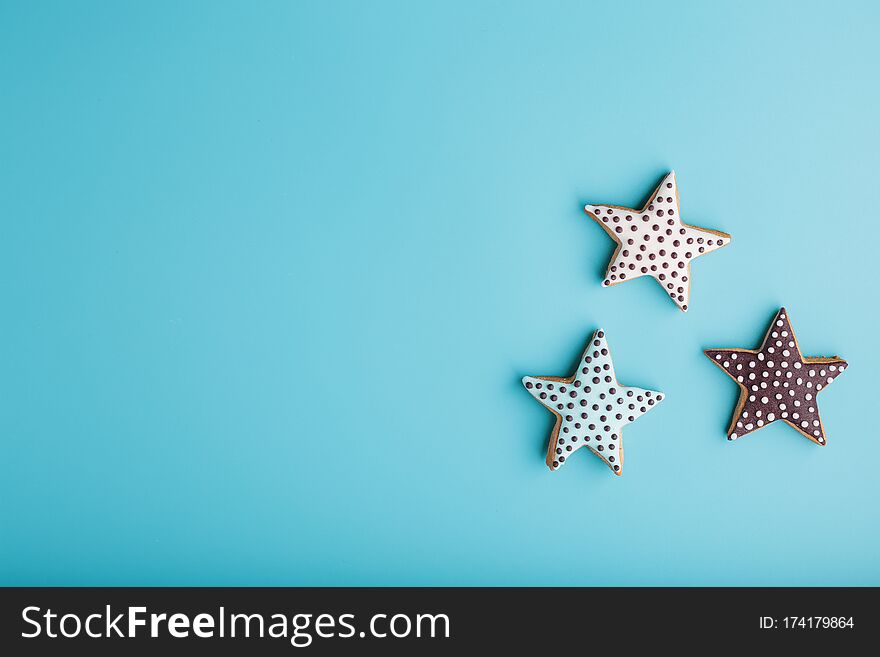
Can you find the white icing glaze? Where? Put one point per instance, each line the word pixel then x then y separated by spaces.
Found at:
pixel 587 405
pixel 777 382
pixel 655 242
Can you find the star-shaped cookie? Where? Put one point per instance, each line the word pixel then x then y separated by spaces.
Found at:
pixel 655 242
pixel 777 382
pixel 590 406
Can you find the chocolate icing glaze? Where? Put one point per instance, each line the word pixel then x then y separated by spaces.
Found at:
pixel 777 382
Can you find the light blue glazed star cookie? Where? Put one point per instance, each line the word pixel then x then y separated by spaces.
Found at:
pixel 590 406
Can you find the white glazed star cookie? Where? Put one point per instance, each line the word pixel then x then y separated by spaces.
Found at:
pixel 655 242
pixel 590 406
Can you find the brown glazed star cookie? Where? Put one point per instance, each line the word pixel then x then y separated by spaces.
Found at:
pixel 655 242
pixel 590 406
pixel 777 382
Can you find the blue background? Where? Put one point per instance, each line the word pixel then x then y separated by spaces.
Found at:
pixel 270 275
